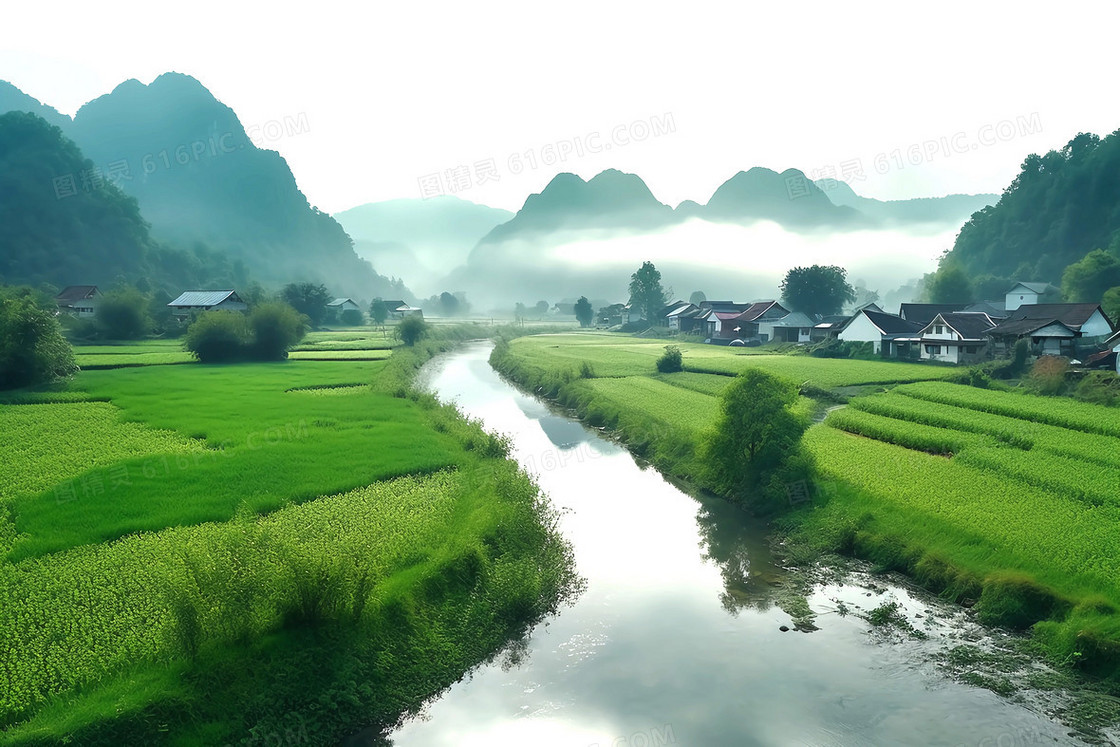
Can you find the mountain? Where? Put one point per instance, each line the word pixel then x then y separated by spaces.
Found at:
pixel 14 100
pixel 419 240
pixel 201 183
pixel 951 209
pixel 789 198
pixel 610 200
pixel 59 225
pixel 1060 207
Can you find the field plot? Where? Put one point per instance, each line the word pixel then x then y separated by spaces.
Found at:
pixel 668 404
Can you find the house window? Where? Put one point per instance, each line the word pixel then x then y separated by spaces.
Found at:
pixel 938 329
pixel 933 349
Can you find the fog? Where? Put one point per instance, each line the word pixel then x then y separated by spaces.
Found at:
pixel 725 261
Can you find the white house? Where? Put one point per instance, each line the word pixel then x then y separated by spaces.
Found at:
pixel 879 329
pixel 78 300
pixel 956 337
pixel 340 305
pixel 189 302
pixel 1028 294
pixel 399 310
pixel 1053 328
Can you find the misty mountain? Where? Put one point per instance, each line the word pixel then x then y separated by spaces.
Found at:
pixel 789 198
pixel 14 100
pixel 59 226
pixel 951 209
pixel 1061 206
pixel 201 182
pixel 419 239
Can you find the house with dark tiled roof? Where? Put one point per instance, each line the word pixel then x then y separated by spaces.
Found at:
pixel 1029 294
pixel 1052 328
pixel 923 313
pixel 882 330
pixel 956 337
pixel 78 300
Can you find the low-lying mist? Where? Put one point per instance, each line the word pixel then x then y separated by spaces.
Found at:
pixel 726 261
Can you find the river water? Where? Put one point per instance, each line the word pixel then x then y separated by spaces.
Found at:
pixel 677 639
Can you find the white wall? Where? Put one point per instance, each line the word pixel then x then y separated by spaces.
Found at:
pixel 1096 326
pixel 1014 300
pixel 861 329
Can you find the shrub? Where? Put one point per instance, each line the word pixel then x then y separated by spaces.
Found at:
pixel 123 315
pixel 352 318
pixel 1048 374
pixel 671 360
pixel 276 327
pixel 218 336
pixel 32 348
pixel 412 329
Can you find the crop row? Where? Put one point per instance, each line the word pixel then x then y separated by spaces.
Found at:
pixel 912 435
pixel 668 404
pixel 980 512
pixel 1098 485
pixel 74 617
pixel 43 445
pixel 1091 447
pixel 1065 413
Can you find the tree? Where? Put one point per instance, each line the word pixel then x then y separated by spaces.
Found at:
pixel 1087 280
pixel 950 284
pixel 412 329
pixel 697 298
pixel 584 312
pixel 1110 304
pixel 541 308
pixel 309 299
pixel 646 293
pixel 352 318
pixel 519 312
pixel 123 315
pixel 756 432
pixel 32 348
pixel 817 289
pixel 448 304
pixel 275 328
pixel 218 336
pixel 378 311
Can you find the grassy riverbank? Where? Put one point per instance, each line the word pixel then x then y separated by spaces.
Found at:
pixel 1001 500
pixel 256 553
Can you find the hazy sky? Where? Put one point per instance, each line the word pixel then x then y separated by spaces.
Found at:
pixel 370 102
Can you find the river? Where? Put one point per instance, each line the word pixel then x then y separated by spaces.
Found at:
pixel 677 639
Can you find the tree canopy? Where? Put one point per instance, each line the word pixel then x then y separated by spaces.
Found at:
pixel 647 295
pixel 817 289
pixel 309 299
pixel 412 329
pixel 1087 280
pixel 950 284
pixel 32 348
pixel 584 312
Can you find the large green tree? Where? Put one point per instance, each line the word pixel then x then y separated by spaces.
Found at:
pixel 32 348
pixel 950 284
pixel 123 315
pixel 647 295
pixel 584 312
pixel 1087 280
pixel 275 328
pixel 378 311
pixel 756 433
pixel 817 289
pixel 309 299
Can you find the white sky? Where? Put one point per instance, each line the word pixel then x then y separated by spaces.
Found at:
pixel 390 93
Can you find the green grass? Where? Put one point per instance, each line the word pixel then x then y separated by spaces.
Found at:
pixel 216 551
pixel 268 447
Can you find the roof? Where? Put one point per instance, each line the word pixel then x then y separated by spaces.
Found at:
pixel 726 315
pixel 340 301
pixel 1021 327
pixel 1073 315
pixel 758 309
pixel 679 310
pixel 1040 288
pixel 203 298
pixel 738 308
pixel 994 309
pixel 923 313
pixel 793 319
pixel 76 293
pixel 889 324
pixel 398 306
pixel 971 325
pixel 1114 340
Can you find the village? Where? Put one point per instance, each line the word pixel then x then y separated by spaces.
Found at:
pixel 966 333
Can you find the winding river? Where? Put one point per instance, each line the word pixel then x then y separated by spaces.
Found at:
pixel 677 638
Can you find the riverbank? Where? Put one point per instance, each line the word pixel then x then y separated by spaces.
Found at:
pixel 982 527
pixel 257 554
